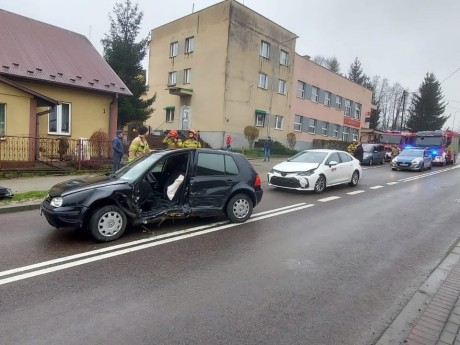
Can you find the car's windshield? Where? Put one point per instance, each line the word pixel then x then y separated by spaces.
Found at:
pixel 368 147
pixel 411 153
pixel 428 141
pixel 136 169
pixel 308 157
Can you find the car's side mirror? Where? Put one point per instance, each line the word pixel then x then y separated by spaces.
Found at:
pixel 332 163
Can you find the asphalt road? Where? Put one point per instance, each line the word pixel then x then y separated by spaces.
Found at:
pixel 334 268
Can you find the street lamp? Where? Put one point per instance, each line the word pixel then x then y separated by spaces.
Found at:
pixel 275 59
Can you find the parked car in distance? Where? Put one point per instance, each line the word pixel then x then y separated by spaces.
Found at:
pixel 412 159
pixel 5 192
pixel 161 185
pixel 314 170
pixel 373 153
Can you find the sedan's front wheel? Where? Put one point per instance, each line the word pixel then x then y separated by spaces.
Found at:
pixel 107 223
pixel 354 179
pixel 239 208
pixel 320 184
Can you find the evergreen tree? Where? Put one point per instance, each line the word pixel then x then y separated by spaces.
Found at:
pixel 125 56
pixel 427 107
pixel 334 65
pixel 355 73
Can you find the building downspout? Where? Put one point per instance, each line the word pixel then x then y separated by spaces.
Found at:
pixel 113 116
pixel 224 114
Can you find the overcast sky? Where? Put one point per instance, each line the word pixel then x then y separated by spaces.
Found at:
pixel 400 40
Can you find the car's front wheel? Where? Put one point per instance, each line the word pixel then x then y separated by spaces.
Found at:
pixel 239 208
pixel 107 223
pixel 320 184
pixel 354 179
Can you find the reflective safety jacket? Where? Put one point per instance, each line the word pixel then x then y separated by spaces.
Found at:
pixel 172 143
pixel 191 143
pixel 139 147
pixel 351 148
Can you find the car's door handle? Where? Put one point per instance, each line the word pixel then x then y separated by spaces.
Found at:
pixel 229 182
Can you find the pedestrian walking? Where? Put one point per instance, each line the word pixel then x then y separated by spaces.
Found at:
pixel 117 150
pixel 139 146
pixel 268 149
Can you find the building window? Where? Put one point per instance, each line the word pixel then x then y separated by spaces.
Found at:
pixel 355 133
pixel 260 118
pixel 284 56
pixel 301 87
pixel 282 87
pixel 2 120
pixel 347 107
pixel 338 102
pixel 173 49
pixel 327 98
pixel 189 44
pixel 265 49
pixel 357 111
pixel 170 114
pixel 59 119
pixel 325 128
pixel 312 126
pixel 345 133
pixel 263 80
pixel 314 94
pixel 187 76
pixel 298 123
pixel 278 122
pixel 172 77
pixel 335 131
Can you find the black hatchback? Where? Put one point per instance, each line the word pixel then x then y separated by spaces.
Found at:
pixel 161 185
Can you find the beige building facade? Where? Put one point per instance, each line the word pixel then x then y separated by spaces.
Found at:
pixel 226 67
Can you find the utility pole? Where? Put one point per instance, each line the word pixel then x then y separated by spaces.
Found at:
pixel 403 109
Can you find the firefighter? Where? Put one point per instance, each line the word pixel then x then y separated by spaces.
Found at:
pixel 139 145
pixel 191 141
pixel 394 151
pixel 352 147
pixel 172 140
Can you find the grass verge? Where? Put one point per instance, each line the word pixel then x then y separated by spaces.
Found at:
pixel 24 196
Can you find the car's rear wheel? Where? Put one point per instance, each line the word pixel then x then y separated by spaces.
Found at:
pixel 371 161
pixel 107 223
pixel 354 179
pixel 320 184
pixel 239 208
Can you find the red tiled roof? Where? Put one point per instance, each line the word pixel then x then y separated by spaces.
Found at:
pixel 36 50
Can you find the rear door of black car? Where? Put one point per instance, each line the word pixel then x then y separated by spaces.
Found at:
pixel 212 180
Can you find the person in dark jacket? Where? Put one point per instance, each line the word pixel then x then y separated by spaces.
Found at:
pixel 117 146
pixel 359 153
pixel 268 149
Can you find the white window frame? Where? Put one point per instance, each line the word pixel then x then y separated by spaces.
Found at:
pixel 172 78
pixel 3 121
pixel 301 87
pixel 347 107
pixel 338 102
pixel 263 81
pixel 325 128
pixel 265 49
pixel 279 121
pixel 170 114
pixel 173 49
pixel 312 126
pixel 187 76
pixel 354 134
pixel 335 131
pixel 314 94
pixel 284 57
pixel 260 119
pixel 282 86
pixel 59 120
pixel 327 98
pixel 298 119
pixel 357 111
pixel 345 133
pixel 189 45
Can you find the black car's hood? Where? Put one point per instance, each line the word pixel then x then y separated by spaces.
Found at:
pixel 78 184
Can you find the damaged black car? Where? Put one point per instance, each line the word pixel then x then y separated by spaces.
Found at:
pixel 161 185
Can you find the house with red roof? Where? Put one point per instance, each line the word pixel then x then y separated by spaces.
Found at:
pixel 54 86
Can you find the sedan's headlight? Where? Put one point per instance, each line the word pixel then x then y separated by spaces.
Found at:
pixel 416 161
pixel 394 160
pixel 56 202
pixel 307 173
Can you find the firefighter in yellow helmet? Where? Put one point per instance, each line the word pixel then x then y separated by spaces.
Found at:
pixel 172 140
pixel 192 140
pixel 139 146
pixel 352 147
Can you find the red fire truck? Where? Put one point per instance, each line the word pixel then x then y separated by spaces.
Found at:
pixel 400 139
pixel 443 145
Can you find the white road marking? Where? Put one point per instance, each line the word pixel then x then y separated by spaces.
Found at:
pixel 376 187
pixel 356 192
pixel 329 199
pixel 392 183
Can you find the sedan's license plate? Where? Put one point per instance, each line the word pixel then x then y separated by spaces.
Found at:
pixel 404 164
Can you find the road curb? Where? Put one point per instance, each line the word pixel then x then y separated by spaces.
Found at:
pixel 19 208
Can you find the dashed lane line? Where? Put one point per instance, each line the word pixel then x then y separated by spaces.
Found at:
pixel 356 192
pixel 376 187
pixel 329 199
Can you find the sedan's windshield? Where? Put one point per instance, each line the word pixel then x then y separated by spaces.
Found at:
pixel 136 169
pixel 308 157
pixel 411 153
